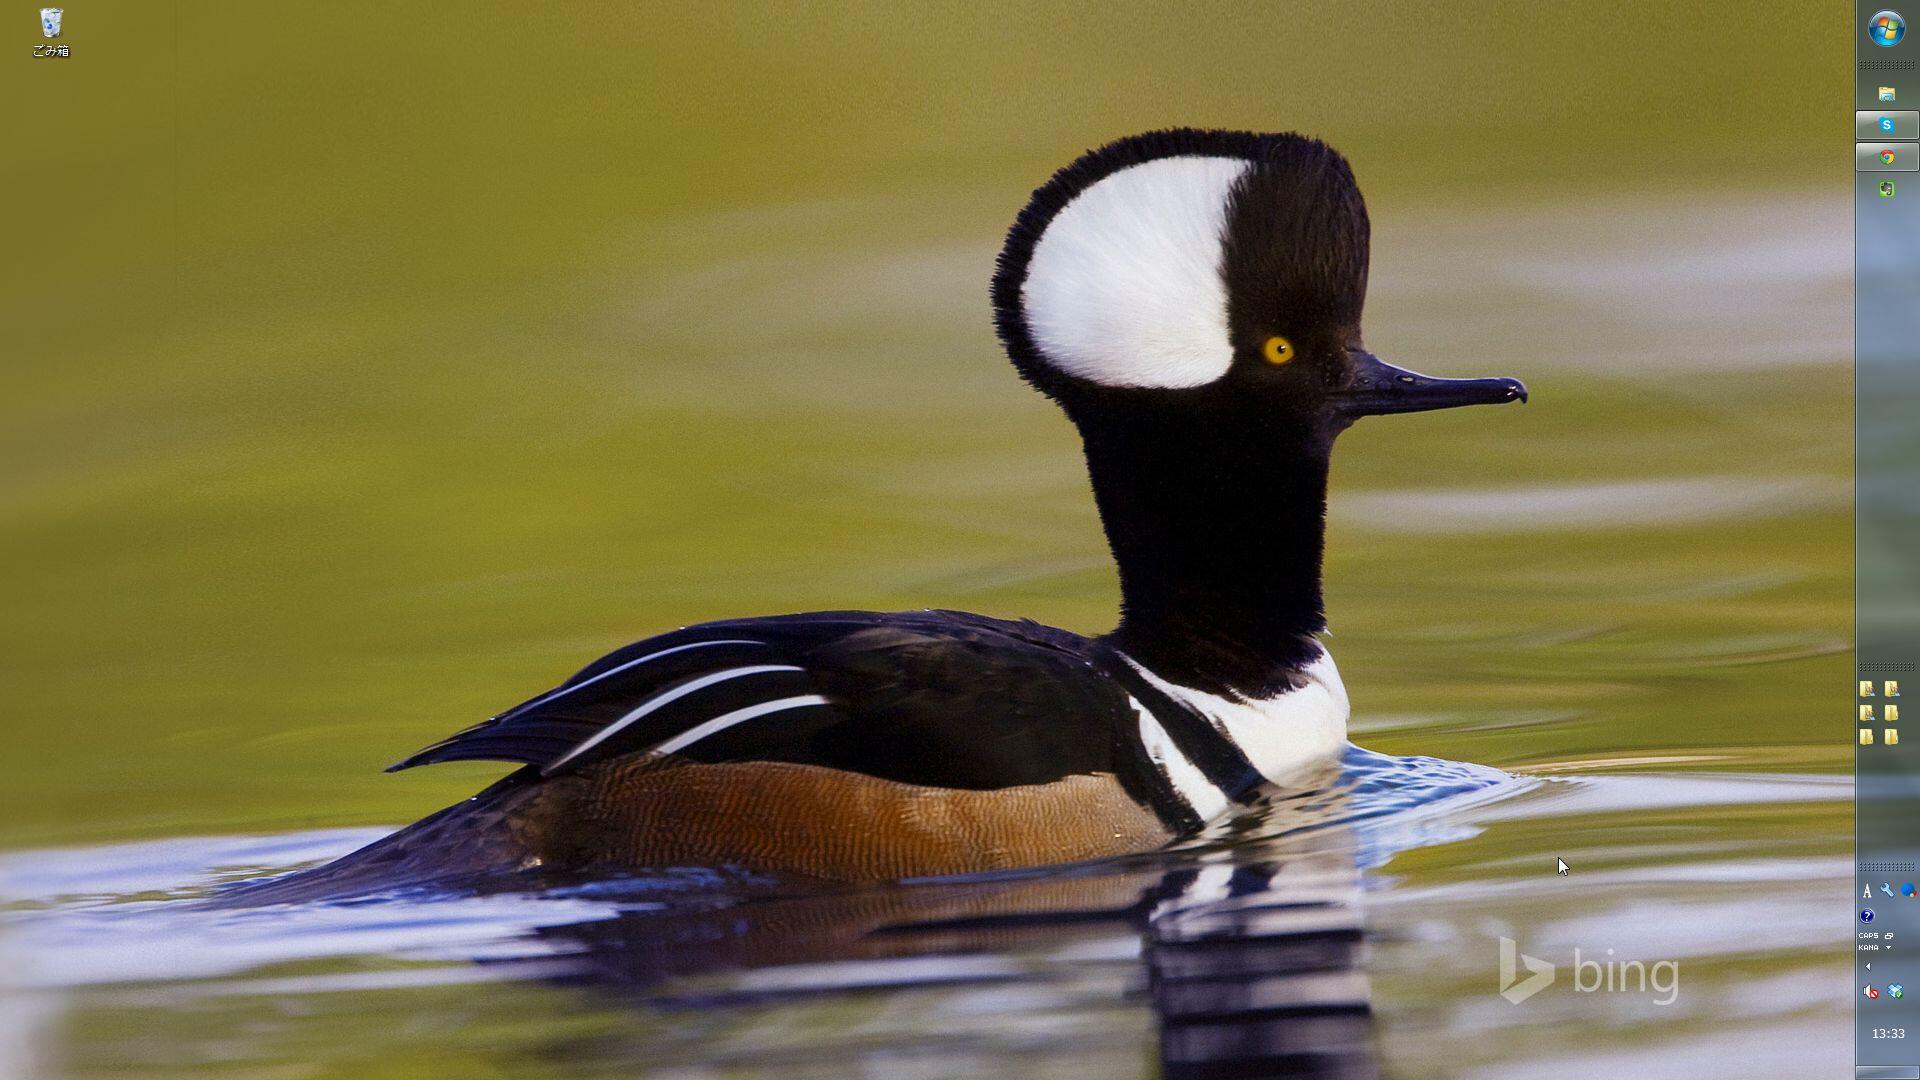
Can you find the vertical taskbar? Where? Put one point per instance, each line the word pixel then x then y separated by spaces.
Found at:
pixel 1885 910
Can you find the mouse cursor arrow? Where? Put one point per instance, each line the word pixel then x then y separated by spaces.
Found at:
pixel 1560 867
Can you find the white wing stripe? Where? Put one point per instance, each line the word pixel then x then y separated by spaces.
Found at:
pixel 721 723
pixel 612 671
pixel 655 703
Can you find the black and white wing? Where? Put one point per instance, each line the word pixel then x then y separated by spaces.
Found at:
pixel 938 698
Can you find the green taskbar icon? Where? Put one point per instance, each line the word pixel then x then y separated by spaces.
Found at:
pixel 1886 189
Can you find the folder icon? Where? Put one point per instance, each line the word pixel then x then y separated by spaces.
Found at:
pixel 1893 736
pixel 1886 93
pixel 1893 714
pixel 1866 736
pixel 1866 687
pixel 1893 687
pixel 1866 714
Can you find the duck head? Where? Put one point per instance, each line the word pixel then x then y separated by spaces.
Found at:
pixel 1192 299
pixel 1216 272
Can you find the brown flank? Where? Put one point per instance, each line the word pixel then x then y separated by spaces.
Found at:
pixel 652 811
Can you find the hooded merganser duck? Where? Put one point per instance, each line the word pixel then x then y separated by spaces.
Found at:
pixel 1192 300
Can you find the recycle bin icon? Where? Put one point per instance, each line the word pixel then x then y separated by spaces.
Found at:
pixel 50 21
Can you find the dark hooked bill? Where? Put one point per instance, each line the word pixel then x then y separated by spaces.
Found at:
pixel 1379 388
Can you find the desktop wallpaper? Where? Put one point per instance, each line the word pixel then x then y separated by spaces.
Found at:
pixel 371 368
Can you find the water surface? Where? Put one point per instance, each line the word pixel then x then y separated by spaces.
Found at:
pixel 1348 931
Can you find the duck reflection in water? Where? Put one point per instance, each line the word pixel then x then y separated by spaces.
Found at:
pixel 1246 950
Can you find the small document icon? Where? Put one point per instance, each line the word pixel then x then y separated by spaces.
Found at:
pixel 1886 93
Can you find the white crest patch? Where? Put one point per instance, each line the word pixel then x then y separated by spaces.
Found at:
pixel 1124 286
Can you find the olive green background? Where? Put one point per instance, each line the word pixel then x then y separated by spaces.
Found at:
pixel 370 367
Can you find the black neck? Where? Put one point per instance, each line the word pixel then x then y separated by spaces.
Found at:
pixel 1217 524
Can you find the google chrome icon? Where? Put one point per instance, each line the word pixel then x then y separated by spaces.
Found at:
pixel 1887 28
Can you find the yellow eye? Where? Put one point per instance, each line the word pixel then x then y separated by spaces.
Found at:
pixel 1278 350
